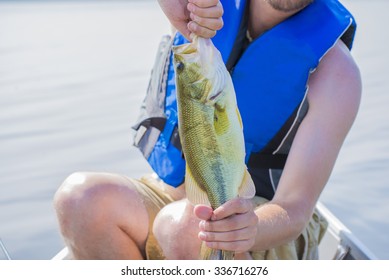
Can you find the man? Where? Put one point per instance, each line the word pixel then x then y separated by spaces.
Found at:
pixel 107 216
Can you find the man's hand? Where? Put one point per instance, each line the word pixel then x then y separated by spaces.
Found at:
pixel 232 226
pixel 194 17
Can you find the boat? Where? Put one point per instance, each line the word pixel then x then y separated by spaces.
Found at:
pixel 338 243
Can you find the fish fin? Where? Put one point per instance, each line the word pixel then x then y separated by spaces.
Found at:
pixel 247 188
pixel 207 253
pixel 194 193
pixel 239 117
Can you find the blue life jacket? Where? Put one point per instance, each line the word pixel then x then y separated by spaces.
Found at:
pixel 270 77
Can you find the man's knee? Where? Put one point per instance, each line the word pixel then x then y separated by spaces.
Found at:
pixel 75 192
pixel 176 229
pixel 101 215
pixel 90 198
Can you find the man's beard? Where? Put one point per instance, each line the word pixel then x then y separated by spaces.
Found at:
pixel 288 5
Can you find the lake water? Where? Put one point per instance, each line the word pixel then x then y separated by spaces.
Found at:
pixel 72 75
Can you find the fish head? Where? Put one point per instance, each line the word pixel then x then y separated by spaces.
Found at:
pixel 200 71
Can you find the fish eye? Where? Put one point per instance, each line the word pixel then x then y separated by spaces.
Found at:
pixel 180 66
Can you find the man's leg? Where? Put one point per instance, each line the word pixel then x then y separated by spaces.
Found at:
pixel 176 229
pixel 102 216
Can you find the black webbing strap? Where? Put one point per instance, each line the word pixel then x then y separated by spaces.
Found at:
pixel 267 161
pixel 175 139
pixel 157 122
pixel 265 158
pixel 239 43
pixel 348 36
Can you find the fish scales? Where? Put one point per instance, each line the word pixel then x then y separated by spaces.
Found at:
pixel 210 130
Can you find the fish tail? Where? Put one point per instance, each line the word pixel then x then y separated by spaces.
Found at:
pixel 214 254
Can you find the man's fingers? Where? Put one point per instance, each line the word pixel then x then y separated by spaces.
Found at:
pixel 203 212
pixel 206 17
pixel 206 12
pixel 200 30
pixel 234 222
pixel 209 23
pixel 231 207
pixel 205 3
pixel 229 236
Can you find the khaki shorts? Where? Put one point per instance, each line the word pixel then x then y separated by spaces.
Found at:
pixel 305 246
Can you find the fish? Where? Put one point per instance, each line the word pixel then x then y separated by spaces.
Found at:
pixel 211 131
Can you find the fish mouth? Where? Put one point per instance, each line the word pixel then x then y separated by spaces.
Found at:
pixel 183 49
pixel 183 54
pixel 198 50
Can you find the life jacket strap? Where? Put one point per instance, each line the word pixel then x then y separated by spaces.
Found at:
pixel 267 161
pixel 175 140
pixel 157 122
